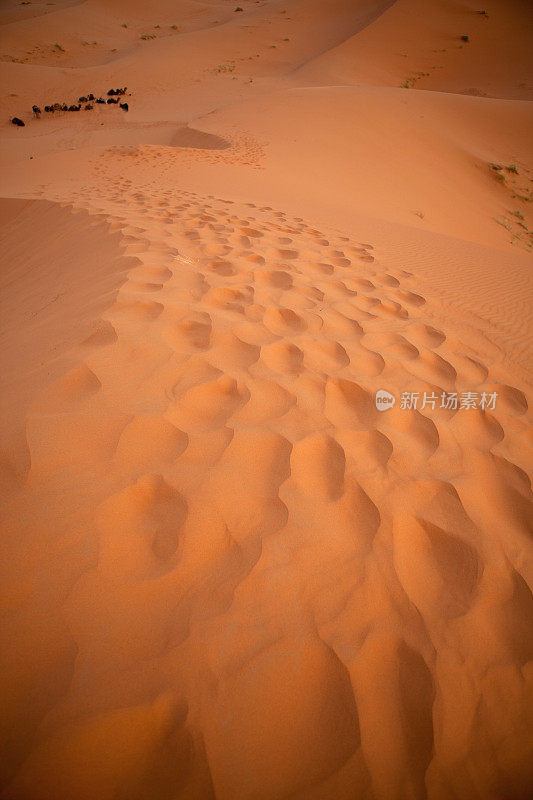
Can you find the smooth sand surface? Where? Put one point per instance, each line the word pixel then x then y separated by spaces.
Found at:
pixel 225 574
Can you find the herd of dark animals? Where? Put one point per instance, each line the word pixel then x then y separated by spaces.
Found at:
pixel 113 96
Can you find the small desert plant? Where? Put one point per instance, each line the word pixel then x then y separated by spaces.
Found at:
pixel 146 36
pixel 512 168
pixel 58 47
pixel 238 9
pixel 496 170
pixel 174 27
pixel 519 215
pixel 124 25
pixel 503 223
pixel 465 38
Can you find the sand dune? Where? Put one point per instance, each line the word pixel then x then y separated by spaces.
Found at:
pixel 226 573
pixel 407 45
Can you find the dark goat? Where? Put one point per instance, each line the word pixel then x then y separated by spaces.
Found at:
pixel 17 121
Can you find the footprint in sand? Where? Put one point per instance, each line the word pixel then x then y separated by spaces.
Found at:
pixel 212 465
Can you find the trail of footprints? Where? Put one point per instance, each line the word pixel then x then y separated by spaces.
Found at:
pixel 283 531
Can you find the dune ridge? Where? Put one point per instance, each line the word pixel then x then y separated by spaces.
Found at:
pixel 249 477
pixel 225 572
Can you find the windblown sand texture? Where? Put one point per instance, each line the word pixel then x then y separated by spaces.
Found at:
pixel 225 574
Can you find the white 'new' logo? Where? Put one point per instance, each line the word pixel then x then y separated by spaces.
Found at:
pixel 384 400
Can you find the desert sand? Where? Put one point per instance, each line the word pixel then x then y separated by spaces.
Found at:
pixel 224 572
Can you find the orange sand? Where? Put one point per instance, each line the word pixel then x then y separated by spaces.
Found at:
pixel 225 573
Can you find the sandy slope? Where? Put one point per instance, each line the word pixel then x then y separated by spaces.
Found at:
pixel 408 44
pixel 225 574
